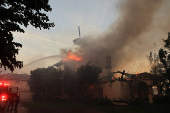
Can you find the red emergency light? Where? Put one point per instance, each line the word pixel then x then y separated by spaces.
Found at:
pixel 3 98
pixel 5 84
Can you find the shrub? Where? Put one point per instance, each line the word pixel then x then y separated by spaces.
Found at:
pixel 136 101
pixel 103 101
pixel 36 97
pixel 162 100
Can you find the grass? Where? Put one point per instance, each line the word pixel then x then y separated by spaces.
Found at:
pixel 44 105
pixel 147 108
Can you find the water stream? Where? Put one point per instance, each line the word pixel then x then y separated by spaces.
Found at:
pixel 34 62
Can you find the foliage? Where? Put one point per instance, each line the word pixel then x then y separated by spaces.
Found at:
pixel 46 82
pixel 137 101
pixel 164 56
pixel 155 64
pixel 13 14
pixel 103 101
pixel 162 100
pixel 86 76
pixel 69 82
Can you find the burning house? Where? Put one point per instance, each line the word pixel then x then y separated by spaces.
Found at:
pixel 126 41
pixel 140 85
pixel 107 86
pixel 145 86
pixel 126 87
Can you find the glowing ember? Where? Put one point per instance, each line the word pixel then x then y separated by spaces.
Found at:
pixel 105 81
pixel 73 57
pixel 136 74
pixel 64 60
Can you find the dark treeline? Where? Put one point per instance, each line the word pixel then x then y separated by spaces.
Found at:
pixel 164 56
pixel 53 84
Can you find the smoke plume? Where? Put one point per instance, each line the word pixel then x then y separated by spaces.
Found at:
pixel 125 39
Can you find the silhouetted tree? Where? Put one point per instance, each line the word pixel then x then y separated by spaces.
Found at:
pixel 46 82
pixel 69 82
pixel 155 64
pixel 86 76
pixel 12 14
pixel 164 55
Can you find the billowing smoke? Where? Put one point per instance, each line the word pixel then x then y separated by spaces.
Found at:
pixel 125 39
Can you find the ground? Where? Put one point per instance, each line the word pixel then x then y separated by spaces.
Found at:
pixel 21 109
pixel 49 107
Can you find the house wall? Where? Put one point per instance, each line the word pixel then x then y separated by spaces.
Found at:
pixel 24 85
pixel 25 95
pixel 125 90
pixel 114 91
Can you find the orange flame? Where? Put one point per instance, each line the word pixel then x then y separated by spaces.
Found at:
pixel 64 60
pixel 73 57
pixel 136 74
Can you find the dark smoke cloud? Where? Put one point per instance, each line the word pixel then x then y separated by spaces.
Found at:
pixel 123 39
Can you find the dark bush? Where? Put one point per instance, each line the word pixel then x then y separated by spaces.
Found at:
pixel 59 100
pixel 103 101
pixel 36 97
pixel 162 100
pixel 136 101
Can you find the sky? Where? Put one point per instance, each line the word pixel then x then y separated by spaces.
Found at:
pixel 93 16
